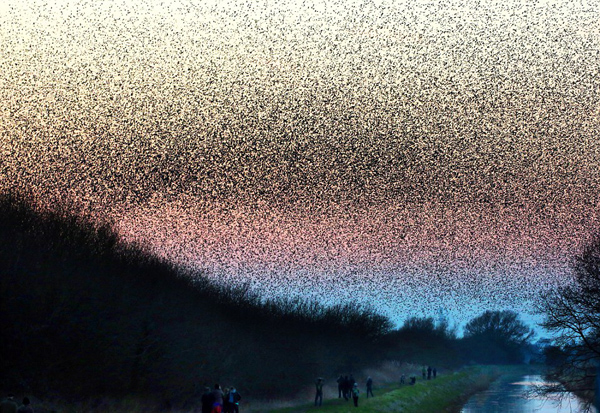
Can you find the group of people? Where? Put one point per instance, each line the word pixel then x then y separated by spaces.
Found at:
pixel 429 372
pixel 218 400
pixel 347 388
pixel 9 405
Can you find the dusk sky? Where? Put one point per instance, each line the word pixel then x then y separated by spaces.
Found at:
pixel 410 155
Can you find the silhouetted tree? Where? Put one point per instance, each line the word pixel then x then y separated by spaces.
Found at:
pixel 497 337
pixel 572 313
pixel 421 338
pixel 427 327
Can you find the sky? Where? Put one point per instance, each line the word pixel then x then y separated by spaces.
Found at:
pixel 408 155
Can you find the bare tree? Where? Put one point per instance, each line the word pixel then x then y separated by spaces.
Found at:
pixel 572 313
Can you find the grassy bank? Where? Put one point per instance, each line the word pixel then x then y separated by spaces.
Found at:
pixel 445 394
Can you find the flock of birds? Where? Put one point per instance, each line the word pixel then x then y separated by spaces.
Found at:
pixel 407 155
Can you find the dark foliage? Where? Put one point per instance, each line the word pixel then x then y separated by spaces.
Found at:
pixel 83 315
pixel 572 313
pixel 497 337
pixel 424 341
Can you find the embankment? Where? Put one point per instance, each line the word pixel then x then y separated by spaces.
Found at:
pixel 446 393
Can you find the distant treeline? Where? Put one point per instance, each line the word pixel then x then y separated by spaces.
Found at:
pixel 85 315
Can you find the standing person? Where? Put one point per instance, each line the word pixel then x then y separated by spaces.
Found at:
pixel 429 373
pixel 217 399
pixel 207 401
pixel 26 407
pixel 355 393
pixel 226 404
pixel 319 393
pixel 346 388
pixel 424 371
pixel 434 372
pixel 369 387
pixel 351 383
pixel 340 382
pixel 9 405
pixel 402 379
pixel 234 400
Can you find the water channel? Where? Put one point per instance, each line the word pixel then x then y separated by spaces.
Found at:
pixel 509 395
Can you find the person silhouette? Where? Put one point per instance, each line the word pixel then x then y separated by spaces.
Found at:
pixel 369 387
pixel 340 382
pixel 207 400
pixel 355 394
pixel 319 392
pixel 217 399
pixel 26 406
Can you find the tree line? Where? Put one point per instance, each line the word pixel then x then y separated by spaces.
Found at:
pixel 85 315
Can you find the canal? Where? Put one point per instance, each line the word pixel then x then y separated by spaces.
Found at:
pixel 509 395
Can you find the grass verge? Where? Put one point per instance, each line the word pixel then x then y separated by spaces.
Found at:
pixel 444 394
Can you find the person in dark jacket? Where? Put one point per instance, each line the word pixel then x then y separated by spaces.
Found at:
pixel 207 400
pixel 226 404
pixel 429 373
pixel 319 393
pixel 346 389
pixel 234 400
pixel 369 387
pixel 340 382
pixel 351 383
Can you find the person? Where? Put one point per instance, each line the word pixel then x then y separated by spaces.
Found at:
pixel 319 394
pixel 402 379
pixel 424 371
pixel 369 386
pixel 346 389
pixel 351 383
pixel 226 404
pixel 207 400
pixel 234 400
pixel 217 399
pixel 355 393
pixel 429 373
pixel 413 380
pixel 26 407
pixel 340 382
pixel 9 405
pixel 434 372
